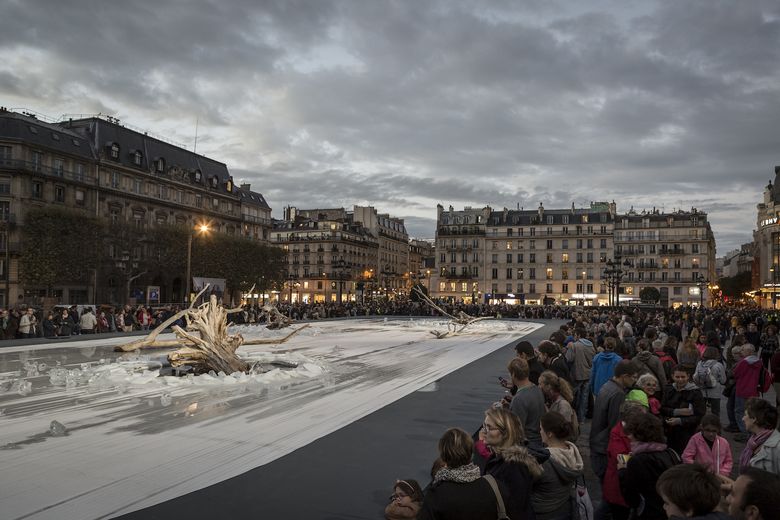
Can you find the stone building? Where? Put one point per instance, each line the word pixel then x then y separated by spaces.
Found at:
pixel 561 255
pixel 766 238
pixel 393 256
pixel 102 168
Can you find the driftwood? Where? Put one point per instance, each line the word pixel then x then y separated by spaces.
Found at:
pixel 275 319
pixel 462 320
pixel 211 349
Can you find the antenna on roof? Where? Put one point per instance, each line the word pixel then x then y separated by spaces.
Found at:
pixel 195 147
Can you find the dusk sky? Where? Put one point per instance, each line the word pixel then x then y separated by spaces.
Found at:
pixel 406 104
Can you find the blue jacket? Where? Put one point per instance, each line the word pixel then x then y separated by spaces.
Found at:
pixel 603 368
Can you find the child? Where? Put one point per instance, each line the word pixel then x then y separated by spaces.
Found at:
pixel 405 501
pixel 690 491
pixel 708 448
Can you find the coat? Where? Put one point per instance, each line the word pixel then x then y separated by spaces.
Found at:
pixel 515 468
pixel 746 374
pixel 450 500
pixel 619 444
pixel 717 459
pixel 606 411
pixel 649 363
pixel 638 479
pixel 552 491
pixel 580 354
pixel 718 373
pixel 768 455
pixel 602 370
pixel 689 397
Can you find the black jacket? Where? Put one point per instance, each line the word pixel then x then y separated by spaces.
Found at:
pixel 512 468
pixel 677 437
pixel 637 482
pixel 459 501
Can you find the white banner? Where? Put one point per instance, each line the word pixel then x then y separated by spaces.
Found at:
pixel 216 285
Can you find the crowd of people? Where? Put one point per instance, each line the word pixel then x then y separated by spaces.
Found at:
pixel 652 386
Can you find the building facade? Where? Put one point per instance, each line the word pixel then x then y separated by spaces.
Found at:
pixel 393 257
pixel 561 256
pixel 124 177
pixel 766 238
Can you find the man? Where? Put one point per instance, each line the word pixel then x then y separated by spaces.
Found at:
pixel 649 363
pixel 603 365
pixel 746 374
pixel 28 324
pixel 551 356
pixel 682 408
pixel 528 402
pixel 525 351
pixel 753 496
pixel 88 322
pixel 579 354
pixel 606 412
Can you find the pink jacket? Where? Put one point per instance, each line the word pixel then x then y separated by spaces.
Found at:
pixel 718 459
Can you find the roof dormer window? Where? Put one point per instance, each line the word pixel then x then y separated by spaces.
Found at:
pixel 198 176
pixel 137 158
pixel 113 151
pixel 159 165
pixel 214 182
pixel 229 186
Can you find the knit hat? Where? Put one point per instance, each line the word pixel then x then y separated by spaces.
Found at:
pixel 639 396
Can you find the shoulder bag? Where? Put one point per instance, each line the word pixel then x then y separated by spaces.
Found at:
pixel 499 498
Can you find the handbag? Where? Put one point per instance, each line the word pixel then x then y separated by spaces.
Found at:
pixel 499 498
pixel 582 506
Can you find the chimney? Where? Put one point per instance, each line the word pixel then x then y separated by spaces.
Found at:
pixel 246 186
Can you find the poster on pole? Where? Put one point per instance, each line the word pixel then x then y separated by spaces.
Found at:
pixel 152 294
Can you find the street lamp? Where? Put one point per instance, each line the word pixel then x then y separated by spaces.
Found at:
pixel 702 283
pixel 340 266
pixel 614 274
pixel 386 273
pixel 200 228
pixel 291 278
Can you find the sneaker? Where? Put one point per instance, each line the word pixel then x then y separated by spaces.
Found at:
pixel 731 428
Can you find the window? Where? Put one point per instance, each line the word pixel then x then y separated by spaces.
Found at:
pixel 565 288
pixel 138 186
pixel 159 165
pixel 532 288
pixel 589 258
pixel 137 158
pixel 494 273
pixel 80 197
pixel 550 219
pixel 215 203
pixel 549 273
pixel 5 155
pixel 519 258
pixel 694 248
pixel 579 243
pixel 565 243
pixel 494 259
pixel 5 185
pixel 5 211
pixel 532 273
pixel 565 220
pixel 590 243
pixel 677 291
pixel 508 244
pixel 37 190
pixel 509 232
pixel 37 161
pixel 198 201
pixel 579 258
pixel 59 194
pixel 508 288
pixel 532 244
pixel 549 288
pixel 589 287
pixel 114 214
pixel 549 244
pixel 115 179
pixel 113 151
pixel 565 274
pixel 78 173
pixel 520 274
pixel 565 258
pixel 549 258
pixel 139 219
pixel 532 258
pixel 508 258
pixel 509 273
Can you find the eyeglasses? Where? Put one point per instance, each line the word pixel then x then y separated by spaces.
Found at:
pixel 489 428
pixel 397 496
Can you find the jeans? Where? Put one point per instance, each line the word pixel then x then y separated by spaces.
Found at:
pixel 714 404
pixel 739 411
pixel 581 389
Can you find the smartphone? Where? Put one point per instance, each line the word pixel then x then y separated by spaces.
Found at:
pixel 501 380
pixel 623 458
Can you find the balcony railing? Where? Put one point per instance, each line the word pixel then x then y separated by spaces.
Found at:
pixel 48 171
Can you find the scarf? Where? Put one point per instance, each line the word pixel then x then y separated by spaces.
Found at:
pixel 462 474
pixel 753 444
pixel 647 447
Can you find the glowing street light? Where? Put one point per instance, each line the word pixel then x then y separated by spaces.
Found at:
pixel 202 229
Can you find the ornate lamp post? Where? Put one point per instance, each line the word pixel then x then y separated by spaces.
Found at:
pixel 614 274
pixel 291 279
pixel 200 228
pixel 702 283
pixel 387 273
pixel 340 266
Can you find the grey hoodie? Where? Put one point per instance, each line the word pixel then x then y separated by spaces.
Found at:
pixel 650 363
pixel 581 353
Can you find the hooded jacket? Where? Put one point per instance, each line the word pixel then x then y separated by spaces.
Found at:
pixel 602 369
pixel 460 494
pixel 606 411
pixel 746 375
pixel 638 479
pixel 580 354
pixel 717 459
pixel 690 397
pixel 718 373
pixel 515 468
pixel 552 490
pixel 768 456
pixel 649 363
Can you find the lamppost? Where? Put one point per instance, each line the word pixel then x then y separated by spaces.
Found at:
pixel 614 274
pixel 773 273
pixel 340 266
pixel 387 273
pixel 200 228
pixel 702 283
pixel 291 279
pixel 428 277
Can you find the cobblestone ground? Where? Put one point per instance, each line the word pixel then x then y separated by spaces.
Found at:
pixel 594 487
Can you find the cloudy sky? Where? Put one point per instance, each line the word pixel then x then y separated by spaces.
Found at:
pixel 406 104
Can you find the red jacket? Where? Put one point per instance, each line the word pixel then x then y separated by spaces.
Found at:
pixel 746 375
pixel 618 443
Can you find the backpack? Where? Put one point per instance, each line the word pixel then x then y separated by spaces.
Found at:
pixel 667 362
pixel 704 378
pixel 765 380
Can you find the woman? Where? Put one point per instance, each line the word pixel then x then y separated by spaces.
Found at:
pixel 710 376
pixel 458 492
pixel 619 447
pixel 65 323
pixel 649 385
pixel 688 355
pixel 708 448
pixel 510 463
pixel 558 397
pixel 763 447
pixel 405 501
pixel 769 344
pixel 649 458
pixel 552 491
pixel 49 327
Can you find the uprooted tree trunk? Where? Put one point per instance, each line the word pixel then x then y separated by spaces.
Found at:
pixel 213 348
pixel 462 319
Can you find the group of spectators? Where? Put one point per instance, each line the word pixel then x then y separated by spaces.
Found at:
pixel 651 383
